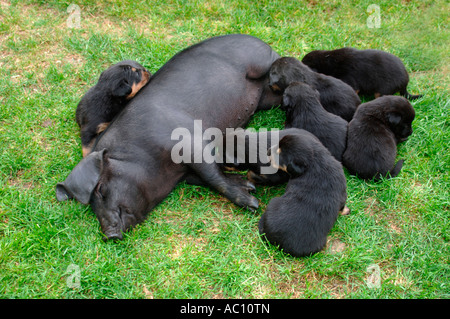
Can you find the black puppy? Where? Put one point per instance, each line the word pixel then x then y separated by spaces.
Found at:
pixel 336 96
pixel 115 87
pixel 303 110
pixel 301 218
pixel 373 134
pixel 369 72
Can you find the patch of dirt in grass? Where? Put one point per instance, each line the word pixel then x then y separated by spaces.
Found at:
pixel 3 217
pixel 335 246
pixel 147 293
pixel 300 285
pixel 47 123
pixel 43 48
pixel 182 242
pixel 380 214
pixel 102 24
pixel 218 295
pixel 395 228
pixel 18 181
pixel 396 277
pixel 373 207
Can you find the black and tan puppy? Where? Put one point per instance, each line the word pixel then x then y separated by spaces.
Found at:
pixel 373 134
pixel 115 87
pixel 303 110
pixel 300 220
pixel 369 72
pixel 336 96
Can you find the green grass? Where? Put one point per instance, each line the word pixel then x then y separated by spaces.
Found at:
pixel 196 244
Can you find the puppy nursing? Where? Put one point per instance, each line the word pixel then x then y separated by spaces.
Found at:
pixel 373 134
pixel 303 110
pixel 299 221
pixel 249 153
pixel 115 87
pixel 336 96
pixel 309 153
pixel 326 128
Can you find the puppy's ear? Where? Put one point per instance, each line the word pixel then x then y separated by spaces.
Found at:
pixel 122 89
pixel 287 99
pixel 394 118
pixel 295 169
pixel 82 180
pixel 294 163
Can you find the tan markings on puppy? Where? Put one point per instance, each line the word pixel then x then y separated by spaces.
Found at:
pixel 253 177
pixel 86 150
pixel 133 69
pixel 377 95
pixel 345 211
pixel 357 91
pixel 137 86
pixel 231 169
pixel 102 126
pixel 275 88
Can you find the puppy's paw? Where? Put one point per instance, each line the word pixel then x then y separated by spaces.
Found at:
pixel 255 178
pixel 345 211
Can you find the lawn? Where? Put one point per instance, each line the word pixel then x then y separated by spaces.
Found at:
pixel 196 244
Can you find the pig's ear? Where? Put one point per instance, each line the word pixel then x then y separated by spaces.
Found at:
pixel 82 180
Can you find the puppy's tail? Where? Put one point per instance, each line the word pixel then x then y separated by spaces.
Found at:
pixel 411 97
pixel 396 170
